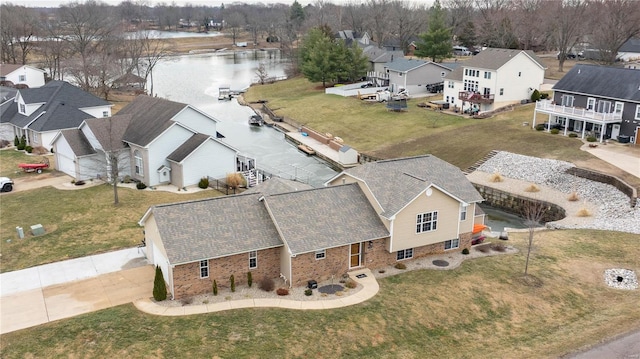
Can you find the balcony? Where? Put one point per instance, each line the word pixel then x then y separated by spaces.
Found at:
pixel 548 107
pixel 474 97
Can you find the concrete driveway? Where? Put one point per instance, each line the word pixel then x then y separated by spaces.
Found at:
pixel 42 294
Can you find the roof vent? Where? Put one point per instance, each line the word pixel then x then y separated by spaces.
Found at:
pixel 579 70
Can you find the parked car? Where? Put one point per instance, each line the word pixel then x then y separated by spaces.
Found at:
pixel 568 56
pixel 368 84
pixel 6 184
pixel 461 51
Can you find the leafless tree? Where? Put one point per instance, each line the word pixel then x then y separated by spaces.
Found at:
pixel 262 73
pixel 378 11
pixel 354 17
pixel 460 13
pixel 567 21
pixel 533 213
pixel 495 27
pixel 528 23
pixel 17 32
pixel 407 20
pixel 234 24
pixel 615 22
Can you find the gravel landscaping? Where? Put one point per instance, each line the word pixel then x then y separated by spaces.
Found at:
pixel 612 209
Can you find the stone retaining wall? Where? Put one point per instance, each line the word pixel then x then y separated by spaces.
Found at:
pixel 513 203
pixel 607 179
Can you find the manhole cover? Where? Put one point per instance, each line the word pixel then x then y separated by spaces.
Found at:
pixel 362 275
pixel 440 263
pixel 330 289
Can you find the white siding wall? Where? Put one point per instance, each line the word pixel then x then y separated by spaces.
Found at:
pixel 46 138
pixel 64 157
pixel 211 159
pixel 452 93
pixel 91 166
pixel 516 87
pixel 197 121
pixel 160 148
pixel 90 137
pixel 33 77
pixel 98 111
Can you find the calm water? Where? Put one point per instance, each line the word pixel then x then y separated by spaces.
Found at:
pixel 195 79
pixel 498 219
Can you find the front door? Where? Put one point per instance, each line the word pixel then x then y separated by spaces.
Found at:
pixel 615 131
pixel 355 255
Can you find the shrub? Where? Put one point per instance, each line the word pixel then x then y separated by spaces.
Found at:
pixel 532 188
pixel 141 185
pixel 540 127
pixel 554 131
pixel 235 180
pixel 535 96
pixel 232 280
pixel 400 266
pixel 266 284
pixel 308 292
pixel 573 135
pixel 215 287
pixel 350 284
pixel 573 196
pixel 21 146
pixel 23 143
pixel 249 279
pixel 591 139
pixel 29 149
pixel 498 247
pixel 544 95
pixel 465 251
pixel 159 286
pixel 282 291
pixel 16 141
pixel 583 212
pixel 496 177
pixel 204 182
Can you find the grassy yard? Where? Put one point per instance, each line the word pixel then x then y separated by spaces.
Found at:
pixel 10 158
pixel 77 222
pixel 481 310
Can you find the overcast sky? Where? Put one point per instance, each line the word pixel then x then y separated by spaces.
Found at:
pixel 56 3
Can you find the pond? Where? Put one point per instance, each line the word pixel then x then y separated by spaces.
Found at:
pixel 498 219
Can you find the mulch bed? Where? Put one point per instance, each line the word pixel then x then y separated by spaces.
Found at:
pixel 330 289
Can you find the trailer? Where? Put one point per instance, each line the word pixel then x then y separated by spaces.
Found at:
pixel 35 167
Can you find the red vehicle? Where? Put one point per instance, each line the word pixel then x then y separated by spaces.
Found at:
pixel 35 167
pixel 477 235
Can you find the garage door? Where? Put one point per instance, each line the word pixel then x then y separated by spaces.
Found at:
pixel 65 164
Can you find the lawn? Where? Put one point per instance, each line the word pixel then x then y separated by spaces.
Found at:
pixel 483 309
pixel 10 158
pixel 77 222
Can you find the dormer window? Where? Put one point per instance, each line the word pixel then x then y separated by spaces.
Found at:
pixel 23 109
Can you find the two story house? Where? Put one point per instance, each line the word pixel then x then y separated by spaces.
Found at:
pixel 163 142
pixel 21 76
pixel 418 77
pixel 369 216
pixel 492 79
pixel 598 101
pixel 40 113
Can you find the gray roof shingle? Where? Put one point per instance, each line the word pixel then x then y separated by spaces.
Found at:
pixel 214 227
pixel 601 81
pixel 152 117
pixel 632 45
pixel 325 218
pixel 78 142
pixel 277 185
pixel 190 145
pixel 109 131
pixel 404 65
pixel 395 183
pixel 493 59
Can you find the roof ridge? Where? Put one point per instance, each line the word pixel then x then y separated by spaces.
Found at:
pixel 164 205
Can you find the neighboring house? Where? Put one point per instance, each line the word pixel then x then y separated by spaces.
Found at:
pixel 164 141
pixel 24 75
pixel 129 82
pixel 370 216
pixel 598 101
pixel 350 37
pixel 415 76
pixel 630 50
pixel 492 79
pixel 378 58
pixel 40 113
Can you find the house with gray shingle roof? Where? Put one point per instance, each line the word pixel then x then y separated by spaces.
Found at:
pixel 593 100
pixel 416 76
pixel 630 50
pixel 156 141
pixel 370 216
pixel 40 113
pixel 492 79
pixel 21 75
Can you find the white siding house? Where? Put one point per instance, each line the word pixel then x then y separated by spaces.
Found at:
pixel 22 75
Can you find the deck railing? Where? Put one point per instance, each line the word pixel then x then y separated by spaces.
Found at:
pixel 576 112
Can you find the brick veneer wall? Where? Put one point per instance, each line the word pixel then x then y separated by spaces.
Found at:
pixel 187 281
pixel 305 266
pixel 607 179
pixel 315 135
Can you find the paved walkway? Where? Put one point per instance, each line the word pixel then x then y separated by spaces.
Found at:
pixel 369 284
pixel 624 156
pixel 41 294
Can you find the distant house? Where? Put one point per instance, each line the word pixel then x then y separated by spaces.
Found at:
pixel 378 59
pixel 165 142
pixel 21 75
pixel 415 76
pixel 369 216
pixel 40 113
pixel 630 50
pixel 492 79
pixel 598 101
pixel 350 37
pixel 129 82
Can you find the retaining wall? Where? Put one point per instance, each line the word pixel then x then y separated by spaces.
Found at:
pixel 608 179
pixel 513 203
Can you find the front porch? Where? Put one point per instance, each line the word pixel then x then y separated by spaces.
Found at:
pixel 583 122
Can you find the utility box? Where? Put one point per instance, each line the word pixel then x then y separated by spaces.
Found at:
pixel 37 230
pixel 20 232
pixel 312 284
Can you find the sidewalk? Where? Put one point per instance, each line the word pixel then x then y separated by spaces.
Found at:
pixel 626 157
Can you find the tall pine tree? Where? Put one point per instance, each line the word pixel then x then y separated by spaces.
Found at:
pixel 159 286
pixel 436 42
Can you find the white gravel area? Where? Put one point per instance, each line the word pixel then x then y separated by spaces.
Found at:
pixel 611 208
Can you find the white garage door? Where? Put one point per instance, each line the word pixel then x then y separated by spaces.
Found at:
pixel 65 164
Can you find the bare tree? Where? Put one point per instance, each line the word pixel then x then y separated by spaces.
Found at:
pixel 378 11
pixel 355 17
pixel 533 213
pixel 617 21
pixel 495 28
pixel 234 25
pixel 461 13
pixel 17 32
pixel 528 23
pixel 566 21
pixel 407 21
pixel 262 73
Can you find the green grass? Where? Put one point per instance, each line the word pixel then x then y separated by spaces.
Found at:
pixel 77 222
pixel 480 310
pixel 10 158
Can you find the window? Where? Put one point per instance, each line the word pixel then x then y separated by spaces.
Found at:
pixel 404 254
pixel 450 84
pixel 204 269
pixel 426 222
pixel 591 103
pixel 466 72
pixel 22 78
pixel 637 112
pixel 321 254
pixel 567 100
pixel 463 213
pixel 23 108
pixel 105 113
pixel 519 74
pixel 139 164
pixel 501 92
pixel 604 106
pixel 487 75
pixel 253 259
pixel 618 108
pixel 451 244
pixel 577 126
pixel 447 98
